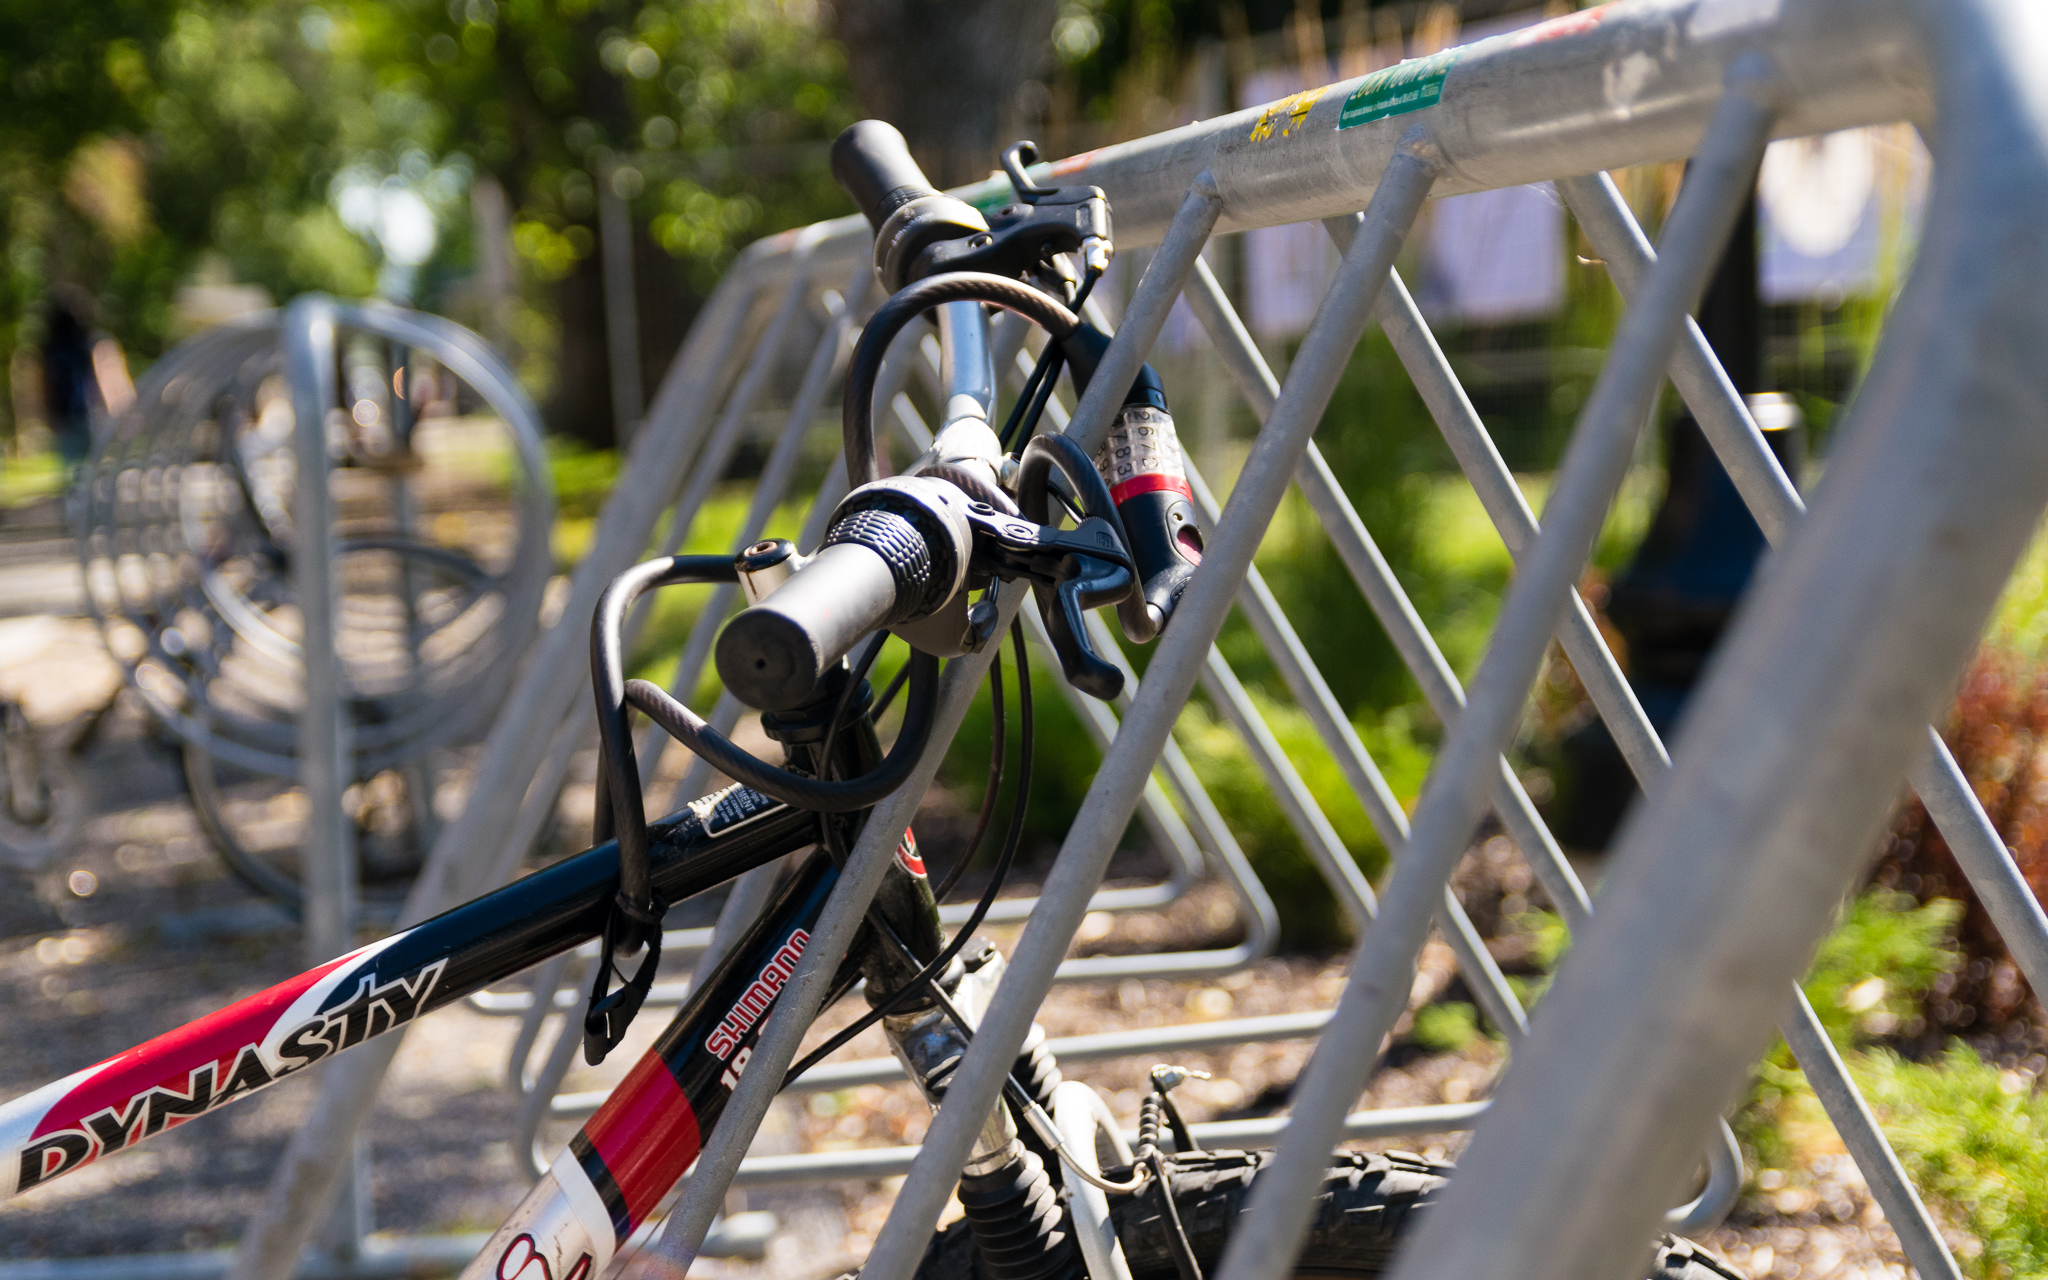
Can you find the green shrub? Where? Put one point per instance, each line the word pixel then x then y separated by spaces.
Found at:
pixel 1868 976
pixel 1971 1135
pixel 1872 972
pixel 1310 918
pixel 1974 1138
pixel 1444 1028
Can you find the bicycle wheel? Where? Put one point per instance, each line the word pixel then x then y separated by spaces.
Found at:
pixel 257 824
pixel 1366 1206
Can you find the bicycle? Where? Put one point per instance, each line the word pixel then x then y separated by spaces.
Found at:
pixel 1052 1189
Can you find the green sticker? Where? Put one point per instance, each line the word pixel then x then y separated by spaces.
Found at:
pixel 1410 86
pixel 990 195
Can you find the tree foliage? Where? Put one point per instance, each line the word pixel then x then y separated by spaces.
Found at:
pixel 149 141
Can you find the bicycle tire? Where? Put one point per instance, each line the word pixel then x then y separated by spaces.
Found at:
pixel 381 889
pixel 1368 1203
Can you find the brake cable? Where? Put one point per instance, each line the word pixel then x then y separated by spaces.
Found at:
pixel 905 305
pixel 1012 839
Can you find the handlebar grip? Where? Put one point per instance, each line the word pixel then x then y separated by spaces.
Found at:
pixel 772 656
pixel 872 163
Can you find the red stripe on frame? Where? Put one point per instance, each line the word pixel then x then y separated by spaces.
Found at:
pixel 1148 483
pixel 646 1134
pixel 170 1059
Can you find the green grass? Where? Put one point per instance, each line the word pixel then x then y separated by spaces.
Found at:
pixel 2021 619
pixel 1974 1138
pixel 1971 1135
pixel 32 476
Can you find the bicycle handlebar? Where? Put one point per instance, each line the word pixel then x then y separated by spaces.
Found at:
pixel 871 161
pixel 773 655
pixel 908 214
pixel 895 551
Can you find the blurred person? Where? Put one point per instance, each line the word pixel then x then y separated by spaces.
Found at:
pixel 85 373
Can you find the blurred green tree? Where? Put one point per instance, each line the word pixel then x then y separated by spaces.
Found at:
pixel 236 138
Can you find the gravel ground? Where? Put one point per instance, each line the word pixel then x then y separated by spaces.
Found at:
pixel 160 935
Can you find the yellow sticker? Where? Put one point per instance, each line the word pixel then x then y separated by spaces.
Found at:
pixel 1288 113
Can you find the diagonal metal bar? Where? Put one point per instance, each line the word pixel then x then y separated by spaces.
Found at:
pixel 1812 711
pixel 1172 673
pixel 463 858
pixel 1300 807
pixel 1777 506
pixel 798 1005
pixel 1382 590
pixel 828 361
pixel 1146 315
pixel 1312 693
pixel 1642 747
pixel 1579 636
pixel 1269 1236
pixel 1644 750
pixel 1261 921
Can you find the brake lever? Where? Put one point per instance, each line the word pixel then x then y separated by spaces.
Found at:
pixel 1070 572
pixel 1093 583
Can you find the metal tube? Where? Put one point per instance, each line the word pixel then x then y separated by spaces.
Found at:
pixel 1583 644
pixel 1777 506
pixel 1812 711
pixel 1161 820
pixel 1146 315
pixel 829 1077
pixel 749 896
pixel 1170 677
pixel 1580 638
pixel 1080 1112
pixel 703 1194
pixel 1319 839
pixel 1262 922
pixel 968 373
pixel 621 308
pixel 1312 694
pixel 462 856
pixel 1383 592
pixel 1764 485
pixel 1839 1097
pixel 1269 1236
pixel 709 467
pixel 325 757
pixel 1511 110
pixel 536 1105
pixel 326 754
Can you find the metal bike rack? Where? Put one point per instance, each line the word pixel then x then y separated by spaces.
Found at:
pixel 1792 774
pixel 193 476
pixel 222 474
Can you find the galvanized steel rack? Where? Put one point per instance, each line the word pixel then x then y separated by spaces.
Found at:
pixel 1814 711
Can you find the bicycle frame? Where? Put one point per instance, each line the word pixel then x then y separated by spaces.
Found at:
pixel 614 1173
pixel 617 1169
pixel 277 1033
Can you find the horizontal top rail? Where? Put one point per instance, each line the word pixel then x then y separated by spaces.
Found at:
pixel 1622 84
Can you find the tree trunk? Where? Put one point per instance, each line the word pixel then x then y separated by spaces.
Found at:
pixel 947 73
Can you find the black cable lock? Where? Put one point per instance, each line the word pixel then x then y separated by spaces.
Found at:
pixel 634 918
